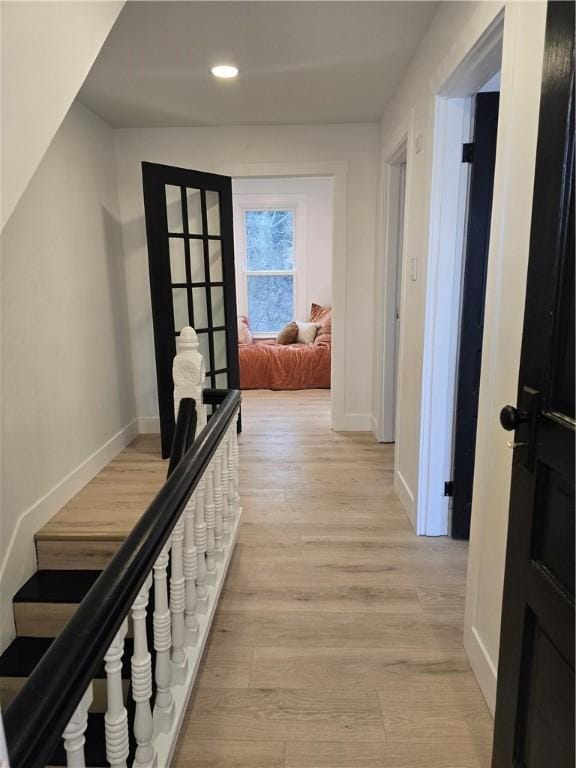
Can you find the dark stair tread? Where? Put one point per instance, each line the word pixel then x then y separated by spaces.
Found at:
pixel 56 587
pixel 24 653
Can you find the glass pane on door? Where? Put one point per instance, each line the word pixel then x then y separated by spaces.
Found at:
pixel 180 305
pixel 218 312
pixel 200 307
pixel 215 251
pixel 177 260
pixel 174 208
pixel 220 350
pixel 197 260
pixel 213 212
pixel 194 204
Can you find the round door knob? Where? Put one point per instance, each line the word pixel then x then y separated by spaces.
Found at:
pixel 511 417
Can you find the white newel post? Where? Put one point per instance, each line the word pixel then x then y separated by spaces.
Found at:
pixel 190 572
pixel 189 373
pixel 145 756
pixel 178 603
pixel 164 705
pixel 73 735
pixel 116 717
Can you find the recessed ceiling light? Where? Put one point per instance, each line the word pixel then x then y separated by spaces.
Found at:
pixel 225 71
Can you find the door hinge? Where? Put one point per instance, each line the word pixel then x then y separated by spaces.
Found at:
pixel 449 488
pixel 468 152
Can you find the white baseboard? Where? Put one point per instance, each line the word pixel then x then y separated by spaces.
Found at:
pixel 482 665
pixel 406 496
pixel 148 425
pixel 20 560
pixel 353 422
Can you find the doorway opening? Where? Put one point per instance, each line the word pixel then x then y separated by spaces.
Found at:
pixel 283 229
pixel 396 174
pixel 456 273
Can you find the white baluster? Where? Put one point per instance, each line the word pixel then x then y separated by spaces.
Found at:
pixel 190 572
pixel 145 756
pixel 189 374
pixel 74 732
pixel 164 705
pixel 210 518
pixel 201 539
pixel 212 522
pixel 177 602
pixel 235 467
pixel 218 500
pixel 230 460
pixel 116 717
pixel 225 489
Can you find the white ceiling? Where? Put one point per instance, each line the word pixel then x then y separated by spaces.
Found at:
pixel 300 62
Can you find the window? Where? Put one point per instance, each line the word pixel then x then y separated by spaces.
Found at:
pixel 269 245
pixel 270 237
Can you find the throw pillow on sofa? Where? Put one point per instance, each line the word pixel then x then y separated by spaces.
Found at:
pixel 244 335
pixel 322 316
pixel 306 332
pixel 288 334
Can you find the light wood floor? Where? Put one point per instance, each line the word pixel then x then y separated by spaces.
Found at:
pixel 338 642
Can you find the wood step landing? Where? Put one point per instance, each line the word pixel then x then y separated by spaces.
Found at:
pixel 86 532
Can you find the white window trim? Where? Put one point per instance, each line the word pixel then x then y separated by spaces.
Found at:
pixel 264 202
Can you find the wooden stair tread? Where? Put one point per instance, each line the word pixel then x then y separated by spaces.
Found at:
pixel 55 586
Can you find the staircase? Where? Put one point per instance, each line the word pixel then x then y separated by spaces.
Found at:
pixel 111 629
pixel 68 567
pixel 72 549
pixel 41 608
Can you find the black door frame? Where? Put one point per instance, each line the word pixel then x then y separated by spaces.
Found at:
pixel 482 155
pixel 155 177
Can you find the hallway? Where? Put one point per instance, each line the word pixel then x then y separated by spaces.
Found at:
pixel 338 641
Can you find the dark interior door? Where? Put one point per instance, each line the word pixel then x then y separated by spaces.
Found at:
pixel 535 696
pixel 482 155
pixel 192 282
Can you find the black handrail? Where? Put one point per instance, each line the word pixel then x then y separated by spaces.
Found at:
pixel 38 715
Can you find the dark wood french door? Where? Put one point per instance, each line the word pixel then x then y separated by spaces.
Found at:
pixel 482 155
pixel 535 697
pixel 192 282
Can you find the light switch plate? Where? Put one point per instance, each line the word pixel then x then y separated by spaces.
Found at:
pixel 413 269
pixel 418 143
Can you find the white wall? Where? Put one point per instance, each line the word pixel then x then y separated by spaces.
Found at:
pixel 68 401
pixel 453 32
pixel 315 256
pixel 214 149
pixel 46 52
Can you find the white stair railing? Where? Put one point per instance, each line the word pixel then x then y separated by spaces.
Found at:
pixel 196 556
